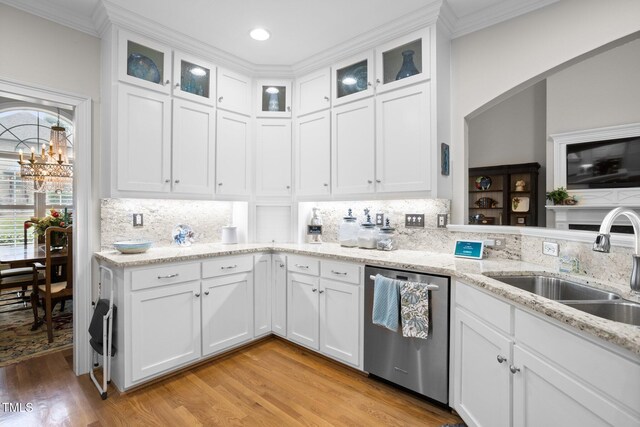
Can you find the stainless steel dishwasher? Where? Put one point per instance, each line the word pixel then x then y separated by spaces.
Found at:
pixel 421 365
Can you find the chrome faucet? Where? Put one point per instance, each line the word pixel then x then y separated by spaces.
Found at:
pixel 603 243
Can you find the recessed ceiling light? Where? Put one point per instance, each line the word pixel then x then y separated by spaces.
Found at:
pixel 260 34
pixel 197 71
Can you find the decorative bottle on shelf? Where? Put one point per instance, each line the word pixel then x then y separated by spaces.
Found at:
pixel 367 235
pixel 408 68
pixel 348 232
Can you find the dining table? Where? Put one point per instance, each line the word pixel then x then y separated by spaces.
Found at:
pixel 26 255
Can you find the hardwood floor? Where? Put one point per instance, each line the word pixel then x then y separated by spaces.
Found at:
pixel 271 383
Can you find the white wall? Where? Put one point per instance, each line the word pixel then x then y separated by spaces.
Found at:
pixel 489 63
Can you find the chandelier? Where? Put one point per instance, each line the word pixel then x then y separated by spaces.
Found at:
pixel 50 170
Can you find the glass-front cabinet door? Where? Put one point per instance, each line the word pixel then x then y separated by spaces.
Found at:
pixel 403 61
pixel 274 98
pixel 144 62
pixel 352 79
pixel 193 79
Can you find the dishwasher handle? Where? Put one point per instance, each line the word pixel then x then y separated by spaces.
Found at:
pixel 429 285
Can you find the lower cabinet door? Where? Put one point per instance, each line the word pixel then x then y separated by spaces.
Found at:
pixel 227 312
pixel 482 393
pixel 546 396
pixel 165 328
pixel 302 325
pixel 340 320
pixel 279 296
pixel 262 295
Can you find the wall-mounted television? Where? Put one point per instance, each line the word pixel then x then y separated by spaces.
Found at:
pixel 613 163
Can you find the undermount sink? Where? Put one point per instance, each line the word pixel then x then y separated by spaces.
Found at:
pixel 619 311
pixel 557 289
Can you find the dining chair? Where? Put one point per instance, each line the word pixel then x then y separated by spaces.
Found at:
pixel 56 287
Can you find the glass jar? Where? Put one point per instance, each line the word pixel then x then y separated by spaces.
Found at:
pixel 348 232
pixel 386 238
pixel 367 235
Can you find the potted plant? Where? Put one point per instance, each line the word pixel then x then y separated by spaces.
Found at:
pixel 558 196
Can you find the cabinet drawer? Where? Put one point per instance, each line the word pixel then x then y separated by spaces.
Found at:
pixel 488 308
pixel 227 265
pixel 341 271
pixel 303 264
pixel 166 275
pixel 608 372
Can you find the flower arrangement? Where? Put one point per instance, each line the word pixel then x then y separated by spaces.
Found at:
pixel 54 219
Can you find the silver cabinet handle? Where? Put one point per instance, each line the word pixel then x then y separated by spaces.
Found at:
pixel 219 184
pixel 513 369
pixel 281 265
pixel 197 295
pixel 167 82
pixel 177 84
pixel 167 181
pixel 320 292
pixel 501 359
pixel 313 290
pixel 177 181
pixel 206 292
pixel 339 273
pixel 378 181
pixel 288 108
pixel 306 267
pixel 168 276
pixel 326 98
pixel 229 267
pixel 325 184
pixel 220 99
pixel 369 181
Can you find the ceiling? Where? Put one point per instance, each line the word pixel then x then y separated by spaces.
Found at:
pixel 300 28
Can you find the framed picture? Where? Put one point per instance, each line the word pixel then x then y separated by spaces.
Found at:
pixel 444 158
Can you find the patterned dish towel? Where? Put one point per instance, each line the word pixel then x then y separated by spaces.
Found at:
pixel 385 302
pixel 414 309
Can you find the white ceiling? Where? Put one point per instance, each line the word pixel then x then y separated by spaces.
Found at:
pixel 300 28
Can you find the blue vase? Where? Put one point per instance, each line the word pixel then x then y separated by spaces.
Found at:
pixel 408 67
pixel 274 103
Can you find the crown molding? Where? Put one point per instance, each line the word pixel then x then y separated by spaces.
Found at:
pixel 46 10
pixel 494 15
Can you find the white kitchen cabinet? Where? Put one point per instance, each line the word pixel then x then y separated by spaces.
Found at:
pixel 352 79
pixel 144 140
pixel 232 149
pixel 193 148
pixel 273 157
pixel 313 154
pixel 536 373
pixel 481 382
pixel 403 61
pixel 165 328
pixel 279 295
pixel 227 311
pixel 273 98
pixel 194 79
pixel 340 320
pixel 262 295
pixel 234 92
pixel 313 92
pixel 352 147
pixel 403 142
pixel 302 309
pixel 143 62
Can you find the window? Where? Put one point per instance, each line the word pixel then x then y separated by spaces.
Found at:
pixel 26 128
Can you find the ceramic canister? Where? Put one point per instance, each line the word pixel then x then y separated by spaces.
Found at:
pixel 229 235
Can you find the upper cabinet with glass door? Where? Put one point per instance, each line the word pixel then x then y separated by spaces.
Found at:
pixel 194 79
pixel 352 79
pixel 274 98
pixel 403 61
pixel 144 62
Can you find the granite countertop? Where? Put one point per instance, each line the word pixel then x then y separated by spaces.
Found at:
pixel 472 272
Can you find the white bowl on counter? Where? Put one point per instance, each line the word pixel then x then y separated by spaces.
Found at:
pixel 132 246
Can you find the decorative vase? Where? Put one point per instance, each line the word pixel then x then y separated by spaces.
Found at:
pixel 58 240
pixel 408 68
pixel 274 104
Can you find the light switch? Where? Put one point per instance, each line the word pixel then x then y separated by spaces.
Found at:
pixel 138 220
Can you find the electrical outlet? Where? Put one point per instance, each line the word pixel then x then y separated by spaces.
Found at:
pixel 442 220
pixel 549 248
pixel 380 219
pixel 414 220
pixel 498 242
pixel 138 220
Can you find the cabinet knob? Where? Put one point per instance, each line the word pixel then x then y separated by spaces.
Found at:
pixel 369 181
pixel 326 98
pixel 219 183
pixel 378 181
pixel 378 81
pixel 513 369
pixel 281 265
pixel 220 99
pixel 167 181
pixel 177 84
pixel 288 187
pixel 197 295
pixel 206 292
pixel 177 181
pixel 314 290
pixel 325 184
pixel 320 292
pixel 167 82
pixel 501 359
pixel 369 84
pixel 289 109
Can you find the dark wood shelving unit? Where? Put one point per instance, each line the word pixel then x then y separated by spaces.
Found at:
pixel 500 203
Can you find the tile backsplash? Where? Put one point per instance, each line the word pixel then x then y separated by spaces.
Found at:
pixel 206 218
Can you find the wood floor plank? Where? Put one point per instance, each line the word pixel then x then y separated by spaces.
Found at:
pixel 272 383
